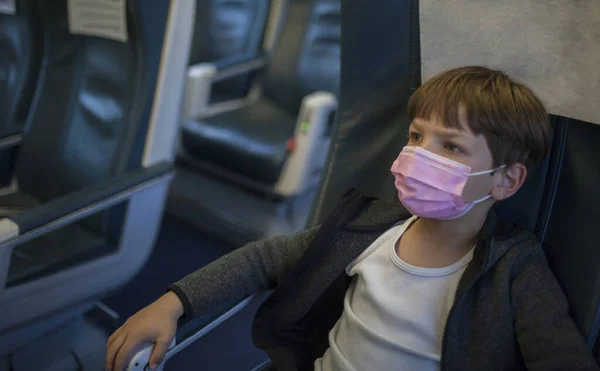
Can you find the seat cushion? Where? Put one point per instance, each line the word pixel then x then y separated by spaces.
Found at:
pixel 55 251
pixel 13 203
pixel 251 141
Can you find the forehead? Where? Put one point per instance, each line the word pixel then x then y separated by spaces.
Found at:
pixel 438 124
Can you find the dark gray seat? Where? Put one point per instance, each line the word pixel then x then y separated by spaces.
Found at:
pixel 13 203
pixel 270 145
pixel 254 138
pixel 19 65
pixel 305 61
pixel 228 29
pixel 92 172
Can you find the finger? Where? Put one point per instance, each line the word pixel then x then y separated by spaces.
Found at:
pixel 158 353
pixel 124 354
pixel 114 337
pixel 113 350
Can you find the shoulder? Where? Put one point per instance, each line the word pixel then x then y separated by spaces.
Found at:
pixel 524 255
pixel 507 238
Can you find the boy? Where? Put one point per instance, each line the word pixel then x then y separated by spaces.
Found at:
pixel 437 283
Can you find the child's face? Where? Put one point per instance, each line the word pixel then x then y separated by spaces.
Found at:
pixel 469 149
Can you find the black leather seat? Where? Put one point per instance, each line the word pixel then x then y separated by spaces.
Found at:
pixel 92 172
pixel 100 111
pixel 226 29
pixel 306 60
pixel 271 146
pixel 254 138
pixel 19 65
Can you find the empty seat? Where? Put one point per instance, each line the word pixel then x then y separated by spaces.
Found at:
pixel 270 146
pixel 229 29
pixel 19 65
pixel 93 168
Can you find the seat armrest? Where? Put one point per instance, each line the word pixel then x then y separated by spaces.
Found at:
pixel 311 143
pixel 202 76
pixel 89 200
pixel 10 141
pixel 186 335
pixel 232 67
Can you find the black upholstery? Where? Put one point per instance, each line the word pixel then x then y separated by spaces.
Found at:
pixel 307 58
pixel 12 204
pixel 19 66
pixel 225 29
pixel 18 70
pixel 95 81
pixel 560 201
pixel 378 74
pixel 86 125
pixel 569 236
pixel 252 141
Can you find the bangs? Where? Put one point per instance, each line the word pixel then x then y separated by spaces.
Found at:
pixel 433 103
pixel 441 97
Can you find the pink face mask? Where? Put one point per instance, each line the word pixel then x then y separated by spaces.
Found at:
pixel 431 186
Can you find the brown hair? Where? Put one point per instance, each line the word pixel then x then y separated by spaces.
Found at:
pixel 509 115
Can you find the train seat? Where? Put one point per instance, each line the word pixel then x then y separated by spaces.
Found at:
pixel 265 151
pixel 19 65
pixel 92 172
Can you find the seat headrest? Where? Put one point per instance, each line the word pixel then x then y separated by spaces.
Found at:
pixel 8 7
pixel 550 45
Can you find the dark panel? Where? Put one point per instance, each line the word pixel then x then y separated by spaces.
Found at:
pixel 307 57
pixel 570 240
pixel 379 68
pixel 225 29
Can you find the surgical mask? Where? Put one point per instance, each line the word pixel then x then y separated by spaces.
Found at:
pixel 431 186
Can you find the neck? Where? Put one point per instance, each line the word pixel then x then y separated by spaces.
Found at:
pixel 464 231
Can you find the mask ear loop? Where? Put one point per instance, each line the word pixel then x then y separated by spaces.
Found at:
pixel 492 171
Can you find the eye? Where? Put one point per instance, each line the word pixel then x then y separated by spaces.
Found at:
pixel 453 148
pixel 414 136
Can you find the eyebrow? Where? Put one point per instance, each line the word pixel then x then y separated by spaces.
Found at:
pixel 445 134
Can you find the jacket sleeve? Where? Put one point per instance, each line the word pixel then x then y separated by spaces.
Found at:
pixel 547 335
pixel 256 267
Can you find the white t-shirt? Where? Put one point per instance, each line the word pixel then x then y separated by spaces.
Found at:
pixel 394 313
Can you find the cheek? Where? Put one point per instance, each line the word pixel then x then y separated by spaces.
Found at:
pixel 477 187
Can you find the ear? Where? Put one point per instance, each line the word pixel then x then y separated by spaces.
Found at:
pixel 508 181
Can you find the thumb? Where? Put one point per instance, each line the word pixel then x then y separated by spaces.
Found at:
pixel 158 353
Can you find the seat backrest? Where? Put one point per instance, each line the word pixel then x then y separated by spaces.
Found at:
pixel 226 29
pixel 87 110
pixel 20 55
pixel 19 63
pixel 559 202
pixel 307 56
pixel 104 110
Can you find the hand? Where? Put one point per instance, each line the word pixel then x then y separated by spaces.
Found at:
pixel 157 323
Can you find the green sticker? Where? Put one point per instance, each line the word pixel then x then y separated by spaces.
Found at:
pixel 304 126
